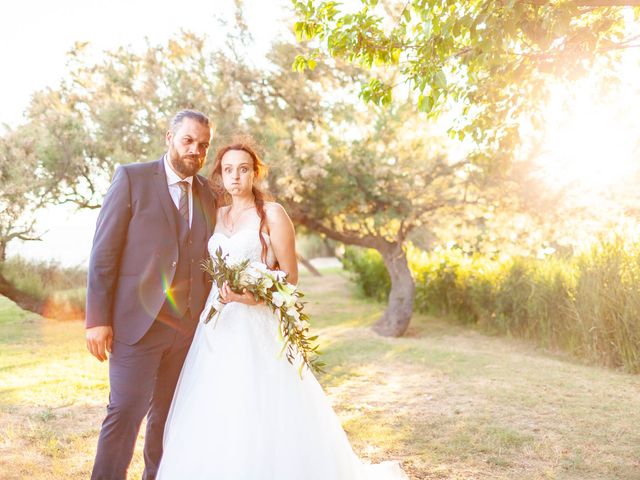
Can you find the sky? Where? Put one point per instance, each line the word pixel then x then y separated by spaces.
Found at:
pixel 35 36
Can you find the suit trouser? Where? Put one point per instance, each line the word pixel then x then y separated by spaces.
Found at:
pixel 142 381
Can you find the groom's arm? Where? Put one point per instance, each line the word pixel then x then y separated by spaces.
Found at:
pixel 104 263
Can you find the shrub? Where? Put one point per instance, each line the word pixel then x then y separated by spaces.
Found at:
pixel 588 305
pixel 368 271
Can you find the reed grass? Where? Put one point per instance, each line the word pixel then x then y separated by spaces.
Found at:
pixel 587 305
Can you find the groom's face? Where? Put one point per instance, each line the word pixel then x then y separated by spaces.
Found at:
pixel 187 146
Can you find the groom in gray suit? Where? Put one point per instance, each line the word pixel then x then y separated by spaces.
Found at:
pixel 146 289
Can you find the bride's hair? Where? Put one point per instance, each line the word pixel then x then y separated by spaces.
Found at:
pixel 245 144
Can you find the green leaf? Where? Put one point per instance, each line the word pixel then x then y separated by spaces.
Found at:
pixel 425 103
pixel 440 79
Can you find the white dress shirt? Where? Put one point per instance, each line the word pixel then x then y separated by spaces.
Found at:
pixel 174 188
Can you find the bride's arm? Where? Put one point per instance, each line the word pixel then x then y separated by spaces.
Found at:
pixel 283 240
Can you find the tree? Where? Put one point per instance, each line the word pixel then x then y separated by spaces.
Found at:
pixel 38 162
pixel 358 174
pixel 490 60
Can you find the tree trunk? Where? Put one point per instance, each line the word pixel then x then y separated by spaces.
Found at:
pixel 396 318
pixel 307 264
pixel 24 301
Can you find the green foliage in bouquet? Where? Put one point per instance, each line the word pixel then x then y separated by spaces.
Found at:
pixel 271 288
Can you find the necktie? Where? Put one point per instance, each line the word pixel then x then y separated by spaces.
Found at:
pixel 183 204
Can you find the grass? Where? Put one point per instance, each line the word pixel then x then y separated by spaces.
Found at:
pixel 447 401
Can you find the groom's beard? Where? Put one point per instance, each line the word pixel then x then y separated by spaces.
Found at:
pixel 187 165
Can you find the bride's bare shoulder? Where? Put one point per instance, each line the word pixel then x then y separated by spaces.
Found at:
pixel 275 212
pixel 273 207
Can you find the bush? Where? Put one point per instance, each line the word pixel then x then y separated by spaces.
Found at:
pixel 368 271
pixel 588 305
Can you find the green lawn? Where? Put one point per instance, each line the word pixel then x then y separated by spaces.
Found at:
pixel 447 401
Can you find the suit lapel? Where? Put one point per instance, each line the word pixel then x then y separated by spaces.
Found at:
pixel 162 189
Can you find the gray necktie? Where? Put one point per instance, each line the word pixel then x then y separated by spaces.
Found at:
pixel 183 204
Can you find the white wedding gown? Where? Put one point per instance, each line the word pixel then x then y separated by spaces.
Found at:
pixel 242 412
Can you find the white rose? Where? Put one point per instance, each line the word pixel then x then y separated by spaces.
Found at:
pixel 247 278
pixel 254 274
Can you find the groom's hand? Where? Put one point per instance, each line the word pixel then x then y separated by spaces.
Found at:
pixel 100 341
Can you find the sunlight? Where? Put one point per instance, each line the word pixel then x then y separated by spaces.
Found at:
pixel 591 139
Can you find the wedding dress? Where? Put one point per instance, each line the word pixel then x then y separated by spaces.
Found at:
pixel 241 410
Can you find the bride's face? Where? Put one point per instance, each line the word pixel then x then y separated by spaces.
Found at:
pixel 237 172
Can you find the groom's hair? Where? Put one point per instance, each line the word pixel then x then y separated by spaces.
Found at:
pixel 199 117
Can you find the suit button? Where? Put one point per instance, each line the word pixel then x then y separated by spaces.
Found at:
pixel 174 264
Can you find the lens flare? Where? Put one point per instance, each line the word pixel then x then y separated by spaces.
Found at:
pixel 166 288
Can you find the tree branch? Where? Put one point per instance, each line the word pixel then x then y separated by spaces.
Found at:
pixel 368 241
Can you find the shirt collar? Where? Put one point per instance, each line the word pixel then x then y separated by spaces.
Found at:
pixel 173 177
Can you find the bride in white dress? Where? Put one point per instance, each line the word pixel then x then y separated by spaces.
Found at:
pixel 241 410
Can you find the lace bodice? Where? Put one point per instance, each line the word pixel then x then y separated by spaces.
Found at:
pixel 242 245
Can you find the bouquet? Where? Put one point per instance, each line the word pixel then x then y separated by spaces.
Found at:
pixel 270 287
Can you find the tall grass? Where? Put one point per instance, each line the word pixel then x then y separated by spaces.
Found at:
pixel 587 305
pixel 61 289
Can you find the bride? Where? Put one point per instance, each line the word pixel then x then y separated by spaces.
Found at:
pixel 240 410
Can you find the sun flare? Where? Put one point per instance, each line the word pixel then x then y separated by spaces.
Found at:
pixel 591 140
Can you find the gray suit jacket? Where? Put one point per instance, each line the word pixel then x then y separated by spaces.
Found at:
pixel 135 250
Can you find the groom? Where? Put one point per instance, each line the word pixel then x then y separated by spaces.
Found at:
pixel 146 289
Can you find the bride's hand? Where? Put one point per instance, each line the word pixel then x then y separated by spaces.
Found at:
pixel 228 296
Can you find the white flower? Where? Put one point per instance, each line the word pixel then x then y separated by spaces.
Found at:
pixel 249 277
pixel 277 299
pixel 289 300
pixel 302 324
pixel 267 283
pixel 279 275
pixel 292 312
pixel 287 288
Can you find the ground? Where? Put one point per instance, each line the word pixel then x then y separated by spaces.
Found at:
pixel 445 400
